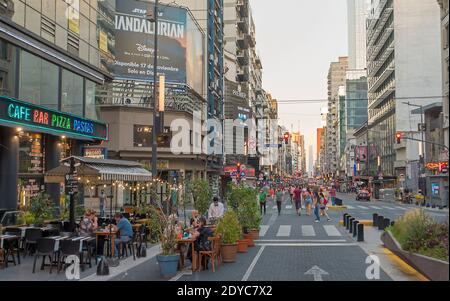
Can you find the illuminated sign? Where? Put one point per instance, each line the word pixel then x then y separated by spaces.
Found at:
pixel 437 165
pixel 95 152
pixel 30 116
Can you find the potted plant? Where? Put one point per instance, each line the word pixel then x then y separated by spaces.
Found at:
pixel 243 200
pixel 41 208
pixel 168 259
pixel 243 244
pixel 230 231
pixel 201 194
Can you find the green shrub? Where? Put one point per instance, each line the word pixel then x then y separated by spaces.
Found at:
pixel 41 207
pixel 229 228
pixel 201 194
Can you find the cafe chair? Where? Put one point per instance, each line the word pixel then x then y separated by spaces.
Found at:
pixel 45 247
pixel 30 240
pixel 214 254
pixel 10 246
pixel 125 246
pixel 68 247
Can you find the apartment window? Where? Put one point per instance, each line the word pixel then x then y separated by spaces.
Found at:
pixel 91 111
pixel 38 81
pixel 72 93
pixel 142 136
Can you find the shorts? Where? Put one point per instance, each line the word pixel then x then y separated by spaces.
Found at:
pixel 308 202
pixel 298 204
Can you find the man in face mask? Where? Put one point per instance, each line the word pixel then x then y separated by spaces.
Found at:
pixel 216 209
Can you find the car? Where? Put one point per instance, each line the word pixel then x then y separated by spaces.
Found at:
pixel 363 195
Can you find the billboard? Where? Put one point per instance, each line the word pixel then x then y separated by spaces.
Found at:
pixel 135 42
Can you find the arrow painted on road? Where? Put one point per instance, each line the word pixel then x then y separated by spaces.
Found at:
pixel 317 273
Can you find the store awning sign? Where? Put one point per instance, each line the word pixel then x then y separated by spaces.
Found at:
pixel 18 113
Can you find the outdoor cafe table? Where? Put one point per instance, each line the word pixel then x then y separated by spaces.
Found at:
pixel 187 241
pixel 107 233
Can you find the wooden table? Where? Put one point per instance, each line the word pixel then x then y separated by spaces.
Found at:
pixel 107 233
pixel 136 226
pixel 189 241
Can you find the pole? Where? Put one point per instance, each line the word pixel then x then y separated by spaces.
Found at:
pixel 72 197
pixel 155 110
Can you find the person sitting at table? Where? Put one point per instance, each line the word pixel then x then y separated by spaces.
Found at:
pixel 201 235
pixel 124 229
pixel 215 210
pixel 88 223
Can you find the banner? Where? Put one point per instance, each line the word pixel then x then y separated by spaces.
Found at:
pixel 135 42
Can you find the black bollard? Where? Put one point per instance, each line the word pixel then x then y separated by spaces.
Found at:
pixel 347 218
pixel 375 219
pixel 355 227
pixel 350 226
pixel 380 222
pixel 344 218
pixel 392 223
pixel 360 232
pixel 387 222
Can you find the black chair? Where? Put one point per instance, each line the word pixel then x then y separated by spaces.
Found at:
pixel 56 225
pixel 31 236
pixel 125 246
pixel 68 247
pixel 45 247
pixel 142 235
pixel 11 246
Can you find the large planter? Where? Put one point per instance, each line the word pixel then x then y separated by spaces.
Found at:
pixel 433 269
pixel 249 238
pixel 228 252
pixel 242 246
pixel 255 233
pixel 168 265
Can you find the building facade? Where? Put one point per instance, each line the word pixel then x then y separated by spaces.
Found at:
pixel 445 65
pixel 396 30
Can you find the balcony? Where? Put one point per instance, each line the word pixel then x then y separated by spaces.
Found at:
pixel 242 8
pixel 374 66
pixel 252 40
pixel 243 58
pixel 242 75
pixel 243 41
pixel 379 97
pixel 372 51
pixel 375 82
pixel 380 23
pixel 243 24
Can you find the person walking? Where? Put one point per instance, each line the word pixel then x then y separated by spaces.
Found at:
pixel 279 198
pixel 316 204
pixel 262 201
pixel 323 205
pixel 307 198
pixel 298 200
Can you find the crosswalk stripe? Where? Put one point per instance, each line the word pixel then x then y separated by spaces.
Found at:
pixel 284 230
pixel 399 207
pixel 263 230
pixel 288 206
pixel 362 207
pixel 308 230
pixel 375 207
pixel 274 207
pixel 350 207
pixel 332 230
pixel 387 207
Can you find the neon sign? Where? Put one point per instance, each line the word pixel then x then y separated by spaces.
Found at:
pixel 27 115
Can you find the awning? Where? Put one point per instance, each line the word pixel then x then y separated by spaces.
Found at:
pixel 102 169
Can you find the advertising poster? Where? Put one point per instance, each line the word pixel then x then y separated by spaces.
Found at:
pixel 135 42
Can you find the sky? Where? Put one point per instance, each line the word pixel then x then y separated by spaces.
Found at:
pixel 297 40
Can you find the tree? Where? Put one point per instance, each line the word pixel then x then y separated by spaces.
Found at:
pixel 201 194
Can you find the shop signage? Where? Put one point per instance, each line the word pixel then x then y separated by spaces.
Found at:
pixel 95 152
pixel 246 171
pixel 71 183
pixel 437 166
pixel 19 113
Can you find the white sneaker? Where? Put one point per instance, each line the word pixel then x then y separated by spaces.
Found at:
pixel 316 221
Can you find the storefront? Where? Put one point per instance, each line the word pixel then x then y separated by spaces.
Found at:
pixel 34 139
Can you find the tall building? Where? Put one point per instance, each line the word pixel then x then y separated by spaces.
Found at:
pixel 404 65
pixel 310 159
pixel 336 78
pixel 51 64
pixel 356 21
pixel 445 66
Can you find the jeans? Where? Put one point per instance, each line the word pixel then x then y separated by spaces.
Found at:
pixel 279 206
pixel 332 200
pixel 316 212
pixel 261 206
pixel 121 239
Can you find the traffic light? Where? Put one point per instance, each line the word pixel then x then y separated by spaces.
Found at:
pixel 238 168
pixel 286 138
pixel 398 137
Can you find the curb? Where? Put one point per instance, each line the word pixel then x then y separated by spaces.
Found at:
pixel 337 207
pixel 364 222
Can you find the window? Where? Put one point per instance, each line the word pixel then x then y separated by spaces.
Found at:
pixel 72 93
pixel 142 136
pixel 91 111
pixel 38 81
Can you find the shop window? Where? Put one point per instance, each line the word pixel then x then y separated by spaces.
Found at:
pixel 72 93
pixel 91 111
pixel 38 81
pixel 31 154
pixel 142 136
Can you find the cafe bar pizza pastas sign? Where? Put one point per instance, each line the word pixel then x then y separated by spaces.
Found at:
pixel 18 113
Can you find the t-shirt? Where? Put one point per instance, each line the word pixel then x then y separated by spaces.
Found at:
pixel 125 228
pixel 279 196
pixel 297 193
pixel 262 196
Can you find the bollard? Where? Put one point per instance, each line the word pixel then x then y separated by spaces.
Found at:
pixel 375 219
pixel 350 226
pixel 344 218
pixel 392 223
pixel 380 222
pixel 347 218
pixel 387 222
pixel 360 232
pixel 355 227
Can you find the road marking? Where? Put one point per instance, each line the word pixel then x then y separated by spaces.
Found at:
pixel 404 267
pixel 387 207
pixel 252 265
pixel 317 273
pixel 288 206
pixel 284 230
pixel 274 207
pixel 399 207
pixel 362 207
pixel 263 230
pixel 181 274
pixel 272 219
pixel 298 240
pixel 350 207
pixel 308 230
pixel 332 230
pixel 306 244
pixel 375 207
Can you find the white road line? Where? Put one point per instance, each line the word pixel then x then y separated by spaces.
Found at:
pixel 387 207
pixel 362 207
pixel 298 240
pixel 403 208
pixel 308 230
pixel 252 265
pixel 306 244
pixel 181 274
pixel 374 207
pixel 263 230
pixel 350 207
pixel 284 230
pixel 332 230
pixel 288 206
pixel 274 207
pixel 272 219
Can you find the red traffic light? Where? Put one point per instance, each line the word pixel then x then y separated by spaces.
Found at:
pixel 398 137
pixel 286 137
pixel 238 165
